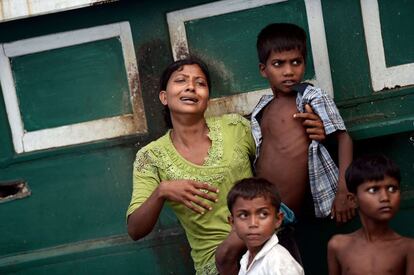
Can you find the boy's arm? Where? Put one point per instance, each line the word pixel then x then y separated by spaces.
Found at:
pixel 343 209
pixel 334 267
pixel 228 254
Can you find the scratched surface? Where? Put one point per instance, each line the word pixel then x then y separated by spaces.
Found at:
pixel 73 222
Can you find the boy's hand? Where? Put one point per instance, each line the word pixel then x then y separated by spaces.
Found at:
pixel 313 124
pixel 343 209
pixel 190 193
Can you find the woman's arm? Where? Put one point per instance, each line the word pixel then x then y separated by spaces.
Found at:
pixel 188 192
pixel 228 254
pixel 343 209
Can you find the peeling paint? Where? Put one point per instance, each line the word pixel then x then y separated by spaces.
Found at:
pixel 17 189
pixel 14 10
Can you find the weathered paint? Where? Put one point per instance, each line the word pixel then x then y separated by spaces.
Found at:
pixel 74 220
pixel 382 77
pixel 176 22
pixel 18 9
pixel 27 141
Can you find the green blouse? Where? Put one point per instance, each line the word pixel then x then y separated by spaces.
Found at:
pixel 228 161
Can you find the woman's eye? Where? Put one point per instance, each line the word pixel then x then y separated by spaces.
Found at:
pixel 179 80
pixel 202 83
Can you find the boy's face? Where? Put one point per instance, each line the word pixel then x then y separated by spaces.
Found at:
pixel 283 70
pixel 255 221
pixel 378 200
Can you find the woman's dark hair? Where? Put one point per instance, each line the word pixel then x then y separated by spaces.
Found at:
pixel 370 168
pixel 175 66
pixel 280 37
pixel 250 188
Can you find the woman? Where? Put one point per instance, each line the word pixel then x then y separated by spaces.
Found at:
pixel 193 166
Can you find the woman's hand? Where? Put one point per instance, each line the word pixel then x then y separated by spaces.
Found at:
pixel 190 193
pixel 313 124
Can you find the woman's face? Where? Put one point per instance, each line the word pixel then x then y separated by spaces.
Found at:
pixel 187 91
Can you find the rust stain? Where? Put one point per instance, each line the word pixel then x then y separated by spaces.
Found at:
pixel 136 99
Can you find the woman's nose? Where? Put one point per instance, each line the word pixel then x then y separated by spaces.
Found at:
pixel 190 86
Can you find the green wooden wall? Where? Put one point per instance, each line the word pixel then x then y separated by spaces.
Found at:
pixel 74 220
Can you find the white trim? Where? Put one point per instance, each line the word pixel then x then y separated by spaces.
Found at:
pixel 177 19
pixel 18 9
pixel 382 77
pixel 10 100
pixel 79 132
pixel 176 25
pixel 104 128
pixel 319 46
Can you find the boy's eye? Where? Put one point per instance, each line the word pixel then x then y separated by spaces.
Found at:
pixel 296 62
pixel 372 190
pixel 242 216
pixel 392 189
pixel 263 214
pixel 276 63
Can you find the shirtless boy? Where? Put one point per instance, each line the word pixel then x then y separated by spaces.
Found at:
pixel 374 183
pixel 284 154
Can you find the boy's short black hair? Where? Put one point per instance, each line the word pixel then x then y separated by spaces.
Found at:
pixel 370 168
pixel 280 37
pixel 250 188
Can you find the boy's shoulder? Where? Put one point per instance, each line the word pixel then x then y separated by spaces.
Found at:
pixel 342 241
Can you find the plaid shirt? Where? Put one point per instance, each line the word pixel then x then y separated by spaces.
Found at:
pixel 323 172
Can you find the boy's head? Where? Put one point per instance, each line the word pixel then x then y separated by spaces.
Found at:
pixel 281 48
pixel 254 206
pixel 374 182
pixel 279 37
pixel 370 168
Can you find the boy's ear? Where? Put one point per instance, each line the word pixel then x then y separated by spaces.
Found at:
pixel 352 198
pixel 230 220
pixel 279 219
pixel 163 97
pixel 262 68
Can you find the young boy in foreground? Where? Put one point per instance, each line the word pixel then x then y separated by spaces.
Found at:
pixel 254 206
pixel 374 183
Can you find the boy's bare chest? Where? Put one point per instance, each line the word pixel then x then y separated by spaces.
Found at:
pixel 378 259
pixel 278 121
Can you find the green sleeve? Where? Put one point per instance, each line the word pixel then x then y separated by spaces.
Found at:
pixel 145 178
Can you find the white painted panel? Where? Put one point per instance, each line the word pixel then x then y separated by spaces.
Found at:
pixel 241 102
pixel 81 132
pixel 11 101
pixel 382 77
pixel 18 9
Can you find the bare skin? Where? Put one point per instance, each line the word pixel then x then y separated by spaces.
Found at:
pixel 373 253
pixel 283 156
pixel 284 145
pixel 375 248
